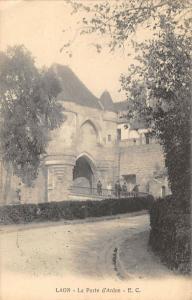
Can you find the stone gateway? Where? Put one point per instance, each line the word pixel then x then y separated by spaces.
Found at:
pixel 94 143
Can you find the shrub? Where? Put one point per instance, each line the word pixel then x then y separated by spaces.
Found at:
pixel 170 234
pixel 69 210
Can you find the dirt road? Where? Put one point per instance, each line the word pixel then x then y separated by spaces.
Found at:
pixel 71 249
pixel 113 249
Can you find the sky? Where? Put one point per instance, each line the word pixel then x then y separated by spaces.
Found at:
pixel 39 26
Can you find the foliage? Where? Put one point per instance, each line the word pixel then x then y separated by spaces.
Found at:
pixel 28 111
pixel 170 235
pixel 69 210
pixel 119 20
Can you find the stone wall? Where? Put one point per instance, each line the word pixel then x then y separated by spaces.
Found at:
pixel 142 160
pixel 91 133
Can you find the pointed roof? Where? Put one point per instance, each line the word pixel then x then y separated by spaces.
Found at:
pixel 107 101
pixel 73 89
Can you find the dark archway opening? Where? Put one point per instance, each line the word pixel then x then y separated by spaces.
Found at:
pixel 83 176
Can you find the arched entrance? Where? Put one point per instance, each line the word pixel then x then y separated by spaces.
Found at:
pixel 83 176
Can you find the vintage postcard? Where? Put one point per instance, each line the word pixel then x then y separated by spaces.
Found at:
pixel 95 107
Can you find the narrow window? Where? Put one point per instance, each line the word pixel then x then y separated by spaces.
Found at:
pixel 163 191
pixel 147 138
pixel 119 134
pixel 109 138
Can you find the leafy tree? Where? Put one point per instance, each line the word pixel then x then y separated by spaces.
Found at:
pixel 29 110
pixel 162 95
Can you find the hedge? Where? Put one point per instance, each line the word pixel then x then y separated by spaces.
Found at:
pixel 69 210
pixel 170 235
